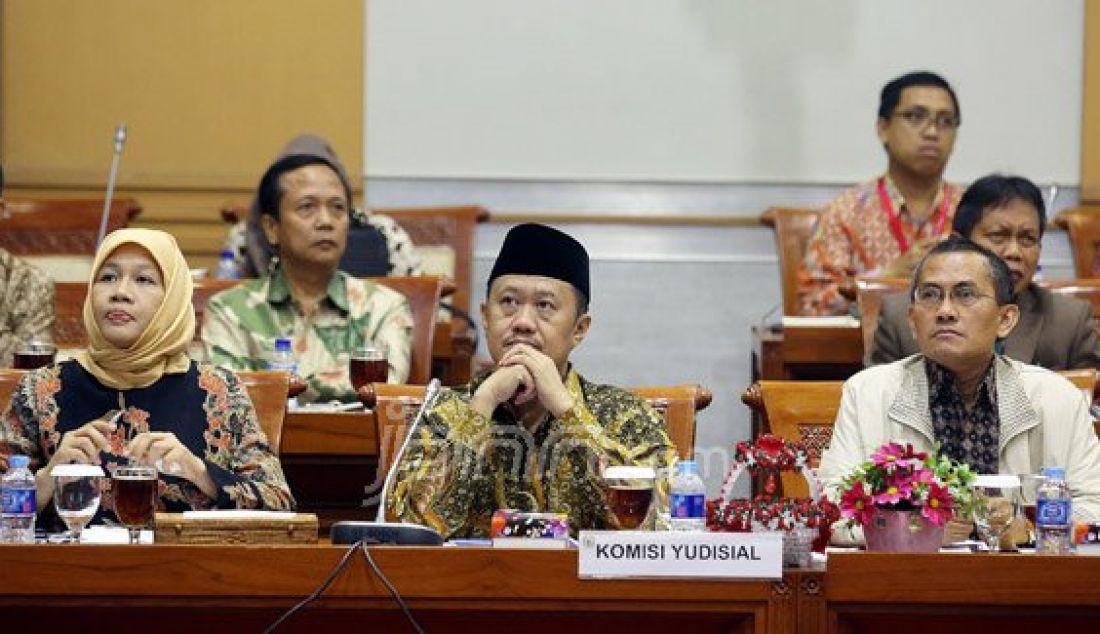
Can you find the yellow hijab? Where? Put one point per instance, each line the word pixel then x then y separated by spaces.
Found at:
pixel 162 347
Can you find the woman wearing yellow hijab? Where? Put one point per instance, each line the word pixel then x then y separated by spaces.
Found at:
pixel 135 396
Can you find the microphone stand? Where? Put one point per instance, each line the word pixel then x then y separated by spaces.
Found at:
pixel 381 531
pixel 120 140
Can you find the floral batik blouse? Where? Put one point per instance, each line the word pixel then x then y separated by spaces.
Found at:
pixel 207 408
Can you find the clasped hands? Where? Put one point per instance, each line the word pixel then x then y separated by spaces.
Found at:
pixel 523 375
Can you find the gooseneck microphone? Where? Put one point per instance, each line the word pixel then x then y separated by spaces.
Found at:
pixel 381 531
pixel 120 140
pixel 430 394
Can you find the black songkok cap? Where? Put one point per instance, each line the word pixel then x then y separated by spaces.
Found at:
pixel 533 249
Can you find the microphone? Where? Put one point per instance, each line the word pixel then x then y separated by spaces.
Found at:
pixel 120 140
pixel 381 531
pixel 430 394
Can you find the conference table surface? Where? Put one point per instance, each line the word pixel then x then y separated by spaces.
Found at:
pixel 245 588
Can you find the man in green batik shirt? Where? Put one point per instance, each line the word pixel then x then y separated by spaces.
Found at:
pixel 326 313
pixel 533 433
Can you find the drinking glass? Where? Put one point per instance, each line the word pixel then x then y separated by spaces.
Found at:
pixel 629 493
pixel 135 492
pixel 368 364
pixel 1029 494
pixel 76 489
pixel 33 354
pixel 996 505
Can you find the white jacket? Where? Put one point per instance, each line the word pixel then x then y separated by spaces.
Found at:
pixel 1045 422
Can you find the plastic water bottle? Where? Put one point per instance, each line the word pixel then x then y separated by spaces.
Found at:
pixel 283 357
pixel 227 267
pixel 18 491
pixel 1053 514
pixel 687 498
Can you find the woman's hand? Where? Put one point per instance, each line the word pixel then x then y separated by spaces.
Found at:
pixel 171 457
pixel 81 446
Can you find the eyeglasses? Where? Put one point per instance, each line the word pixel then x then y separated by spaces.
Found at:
pixel 931 296
pixel 920 117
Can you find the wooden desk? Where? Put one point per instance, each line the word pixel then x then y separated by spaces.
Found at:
pixel 806 353
pixel 874 592
pixel 331 460
pixel 243 588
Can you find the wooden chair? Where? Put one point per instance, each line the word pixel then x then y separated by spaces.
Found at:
pixel 60 235
pixel 1083 226
pixel 8 380
pixel 395 406
pixel 269 391
pixel 423 293
pixel 797 410
pixel 869 294
pixel 793 228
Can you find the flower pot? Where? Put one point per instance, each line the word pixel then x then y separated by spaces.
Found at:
pixel 901 532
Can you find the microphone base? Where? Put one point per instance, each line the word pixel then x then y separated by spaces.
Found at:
pixel 397 533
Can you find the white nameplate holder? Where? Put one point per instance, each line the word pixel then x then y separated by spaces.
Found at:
pixel 705 555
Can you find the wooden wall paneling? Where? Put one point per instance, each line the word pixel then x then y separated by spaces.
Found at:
pixel 1090 109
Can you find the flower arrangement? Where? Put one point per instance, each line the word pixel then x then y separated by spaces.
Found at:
pixel 900 478
pixel 766 457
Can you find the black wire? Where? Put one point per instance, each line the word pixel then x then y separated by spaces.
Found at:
pixel 316 593
pixel 389 586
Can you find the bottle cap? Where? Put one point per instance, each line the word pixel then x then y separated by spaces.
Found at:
pixel 1055 473
pixel 19 462
pixel 687 466
pixel 282 345
pixel 226 254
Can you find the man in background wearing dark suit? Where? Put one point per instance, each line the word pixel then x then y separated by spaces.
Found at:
pixel 1006 215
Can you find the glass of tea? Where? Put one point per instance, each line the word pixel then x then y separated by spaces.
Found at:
pixel 76 495
pixel 32 355
pixel 629 493
pixel 368 364
pixel 135 493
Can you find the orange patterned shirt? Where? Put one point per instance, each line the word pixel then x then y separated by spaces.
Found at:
pixel 853 236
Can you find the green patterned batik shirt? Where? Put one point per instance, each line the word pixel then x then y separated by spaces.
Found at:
pixel 242 323
pixel 460 467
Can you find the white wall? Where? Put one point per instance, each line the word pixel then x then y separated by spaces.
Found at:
pixel 736 91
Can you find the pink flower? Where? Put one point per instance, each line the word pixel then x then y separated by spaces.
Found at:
pixel 856 505
pixel 888 455
pixel 938 508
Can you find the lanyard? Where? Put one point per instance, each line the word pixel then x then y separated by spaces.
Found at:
pixel 895 221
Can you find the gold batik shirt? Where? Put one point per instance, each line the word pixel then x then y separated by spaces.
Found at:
pixel 460 467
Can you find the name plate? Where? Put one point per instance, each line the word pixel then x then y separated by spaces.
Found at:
pixel 623 554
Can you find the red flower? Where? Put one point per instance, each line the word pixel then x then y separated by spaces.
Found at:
pixel 939 506
pixel 855 504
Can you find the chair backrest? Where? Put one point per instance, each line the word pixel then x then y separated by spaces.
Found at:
pixel 1084 379
pixel 269 391
pixel 423 293
pixel 869 294
pixel 453 227
pixel 797 410
pixel 59 236
pixel 395 406
pixel 1083 226
pixel 793 228
pixel 8 380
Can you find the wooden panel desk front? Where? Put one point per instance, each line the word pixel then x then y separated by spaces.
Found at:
pixel 330 460
pixel 882 592
pixel 817 353
pixel 245 588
